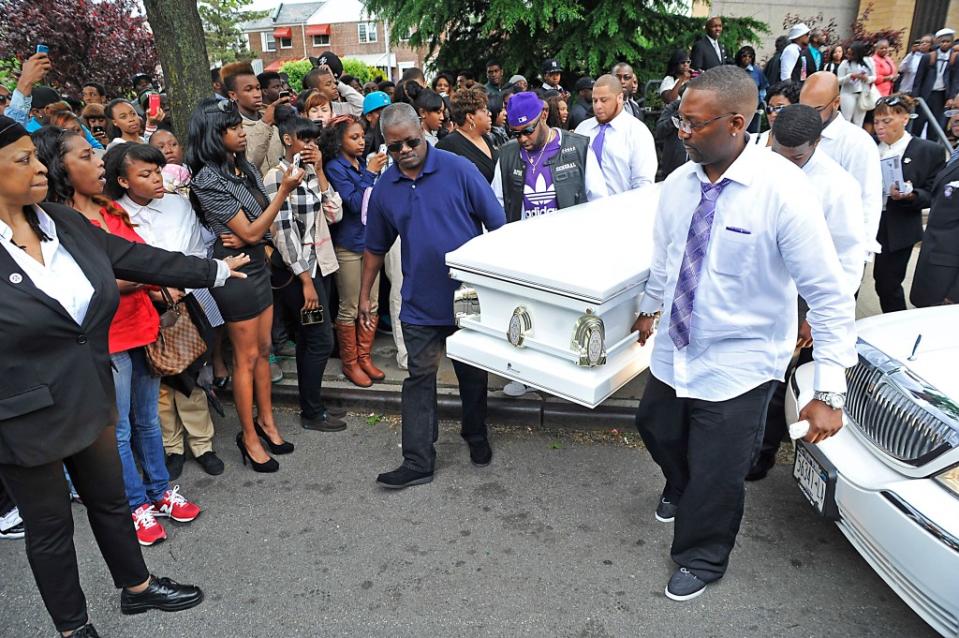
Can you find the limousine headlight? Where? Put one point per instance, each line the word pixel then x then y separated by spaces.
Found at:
pixel 589 340
pixel 950 480
pixel 520 323
pixel 465 303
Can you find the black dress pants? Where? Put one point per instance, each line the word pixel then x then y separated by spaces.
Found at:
pixel 705 449
pixel 314 343
pixel 889 271
pixel 41 493
pixel 6 503
pixel 426 345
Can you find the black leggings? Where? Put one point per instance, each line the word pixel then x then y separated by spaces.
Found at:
pixel 44 502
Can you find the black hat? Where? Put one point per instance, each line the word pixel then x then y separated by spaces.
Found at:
pixel 331 60
pixel 551 66
pixel 141 76
pixel 44 96
pixel 583 84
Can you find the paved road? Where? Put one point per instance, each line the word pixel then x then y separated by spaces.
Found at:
pixel 555 538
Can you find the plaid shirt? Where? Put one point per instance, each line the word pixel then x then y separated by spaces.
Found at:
pixel 301 231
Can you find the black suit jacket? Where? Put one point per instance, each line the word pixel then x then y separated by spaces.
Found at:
pixel 926 76
pixel 703 55
pixel 56 384
pixel 901 223
pixel 937 272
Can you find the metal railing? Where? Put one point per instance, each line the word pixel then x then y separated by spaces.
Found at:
pixel 932 122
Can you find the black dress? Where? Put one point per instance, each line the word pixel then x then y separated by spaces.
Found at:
pixel 457 144
pixel 221 197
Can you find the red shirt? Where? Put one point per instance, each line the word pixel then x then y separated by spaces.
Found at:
pixel 136 322
pixel 884 66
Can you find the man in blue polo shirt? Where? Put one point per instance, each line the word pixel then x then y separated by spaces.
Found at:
pixel 434 202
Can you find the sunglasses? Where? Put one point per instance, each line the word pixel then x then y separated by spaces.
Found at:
pixel 775 109
pixel 891 100
pixel 525 132
pixel 412 142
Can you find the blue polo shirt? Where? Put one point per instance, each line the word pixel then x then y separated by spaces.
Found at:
pixel 447 204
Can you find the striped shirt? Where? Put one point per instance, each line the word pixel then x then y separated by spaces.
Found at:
pixel 223 196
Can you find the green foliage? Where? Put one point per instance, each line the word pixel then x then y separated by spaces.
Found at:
pixel 374 419
pixel 360 70
pixel 225 41
pixel 586 36
pixel 297 70
pixel 8 67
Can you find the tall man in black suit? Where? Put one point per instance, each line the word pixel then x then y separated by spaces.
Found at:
pixel 707 50
pixel 936 280
pixel 937 81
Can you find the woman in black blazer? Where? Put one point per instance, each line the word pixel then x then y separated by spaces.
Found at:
pixel 900 227
pixel 58 274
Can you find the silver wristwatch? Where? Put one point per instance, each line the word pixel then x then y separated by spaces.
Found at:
pixel 835 400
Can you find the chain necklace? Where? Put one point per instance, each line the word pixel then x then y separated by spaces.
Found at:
pixel 533 163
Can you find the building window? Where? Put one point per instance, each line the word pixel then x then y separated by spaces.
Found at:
pixel 286 43
pixel 267 42
pixel 321 40
pixel 366 32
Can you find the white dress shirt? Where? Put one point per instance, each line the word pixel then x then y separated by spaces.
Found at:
pixel 891 150
pixel 787 61
pixel 908 69
pixel 942 61
pixel 854 150
pixel 59 276
pixel 717 49
pixel 767 238
pixel 629 152
pixel 839 196
pixel 168 223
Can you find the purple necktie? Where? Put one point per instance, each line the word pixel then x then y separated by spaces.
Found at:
pixel 598 143
pixel 697 241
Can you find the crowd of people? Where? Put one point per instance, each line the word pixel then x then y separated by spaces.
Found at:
pixel 267 225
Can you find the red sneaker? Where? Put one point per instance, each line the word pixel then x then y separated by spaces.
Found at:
pixel 176 507
pixel 149 530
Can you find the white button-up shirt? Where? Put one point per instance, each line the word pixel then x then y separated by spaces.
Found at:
pixel 629 152
pixel 59 276
pixel 839 196
pixel 767 233
pixel 168 223
pixel 854 150
pixel 788 60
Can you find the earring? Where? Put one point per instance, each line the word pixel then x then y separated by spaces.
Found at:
pixel 734 135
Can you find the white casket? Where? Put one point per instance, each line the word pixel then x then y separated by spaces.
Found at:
pixel 550 301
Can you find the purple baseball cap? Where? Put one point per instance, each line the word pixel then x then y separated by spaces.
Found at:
pixel 523 108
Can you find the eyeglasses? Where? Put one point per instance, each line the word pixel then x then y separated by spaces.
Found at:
pixel 775 109
pixel 825 106
pixel 688 127
pixel 525 132
pixel 412 142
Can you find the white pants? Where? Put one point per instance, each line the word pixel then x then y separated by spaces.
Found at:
pixel 394 270
pixel 849 107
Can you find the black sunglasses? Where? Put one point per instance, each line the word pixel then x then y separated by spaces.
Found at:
pixel 412 142
pixel 892 100
pixel 529 130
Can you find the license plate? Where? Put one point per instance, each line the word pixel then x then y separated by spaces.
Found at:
pixel 817 480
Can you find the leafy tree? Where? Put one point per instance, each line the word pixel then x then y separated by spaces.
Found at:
pixel 857 30
pixel 296 70
pixel 224 39
pixel 359 69
pixel 586 36
pixel 105 41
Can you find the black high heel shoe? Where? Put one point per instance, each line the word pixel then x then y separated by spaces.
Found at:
pixel 219 383
pixel 269 466
pixel 283 448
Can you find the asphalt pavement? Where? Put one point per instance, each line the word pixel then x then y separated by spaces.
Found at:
pixel 555 539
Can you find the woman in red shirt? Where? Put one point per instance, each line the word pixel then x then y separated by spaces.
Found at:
pixel 885 68
pixel 76 178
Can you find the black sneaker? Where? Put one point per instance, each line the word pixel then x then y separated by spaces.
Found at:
pixel 684 585
pixel 333 410
pixel 174 465
pixel 325 423
pixel 87 631
pixel 764 463
pixel 210 463
pixel 666 511
pixel 481 454
pixel 403 477
pixel 163 594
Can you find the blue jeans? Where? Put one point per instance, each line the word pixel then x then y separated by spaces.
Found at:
pixel 138 428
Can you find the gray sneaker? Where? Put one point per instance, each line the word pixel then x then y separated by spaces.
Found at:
pixel 684 585
pixel 276 372
pixel 666 511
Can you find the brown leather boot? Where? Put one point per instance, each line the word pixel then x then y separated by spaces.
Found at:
pixel 346 334
pixel 364 343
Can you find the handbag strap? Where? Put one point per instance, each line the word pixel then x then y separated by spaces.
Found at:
pixel 168 300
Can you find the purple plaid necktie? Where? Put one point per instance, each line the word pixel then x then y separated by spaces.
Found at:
pixel 697 241
pixel 598 143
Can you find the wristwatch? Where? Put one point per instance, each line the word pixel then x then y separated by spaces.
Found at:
pixel 835 400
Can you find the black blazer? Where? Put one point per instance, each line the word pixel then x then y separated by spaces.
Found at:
pixel 926 76
pixel 937 272
pixel 901 223
pixel 703 55
pixel 56 384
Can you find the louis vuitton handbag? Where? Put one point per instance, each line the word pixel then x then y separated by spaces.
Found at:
pixel 179 343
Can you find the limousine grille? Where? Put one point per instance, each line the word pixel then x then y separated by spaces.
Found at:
pixel 898 412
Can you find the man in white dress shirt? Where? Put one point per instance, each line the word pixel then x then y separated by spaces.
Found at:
pixel 793 54
pixel 736 233
pixel 796 137
pixel 623 145
pixel 851 147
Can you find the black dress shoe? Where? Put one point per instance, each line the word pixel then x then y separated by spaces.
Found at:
pixel 210 463
pixel 481 454
pixel 174 465
pixel 761 468
pixel 87 631
pixel 163 594
pixel 325 423
pixel 336 411
pixel 403 477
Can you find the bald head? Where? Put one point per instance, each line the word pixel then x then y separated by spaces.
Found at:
pixel 610 82
pixel 821 91
pixel 734 91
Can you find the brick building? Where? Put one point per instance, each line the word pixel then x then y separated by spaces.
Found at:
pixel 297 31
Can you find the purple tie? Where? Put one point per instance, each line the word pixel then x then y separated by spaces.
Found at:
pixel 697 241
pixel 598 143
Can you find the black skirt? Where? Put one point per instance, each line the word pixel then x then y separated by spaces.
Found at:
pixel 242 299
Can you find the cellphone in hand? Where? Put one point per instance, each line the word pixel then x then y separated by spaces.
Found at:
pixel 297 160
pixel 42 48
pixel 383 149
pixel 154 105
pixel 310 317
pixel 284 94
pixel 98 129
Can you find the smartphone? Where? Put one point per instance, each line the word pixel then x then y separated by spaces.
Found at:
pixel 153 107
pixel 310 317
pixel 383 149
pixel 284 94
pixel 42 48
pixel 296 160
pixel 98 129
